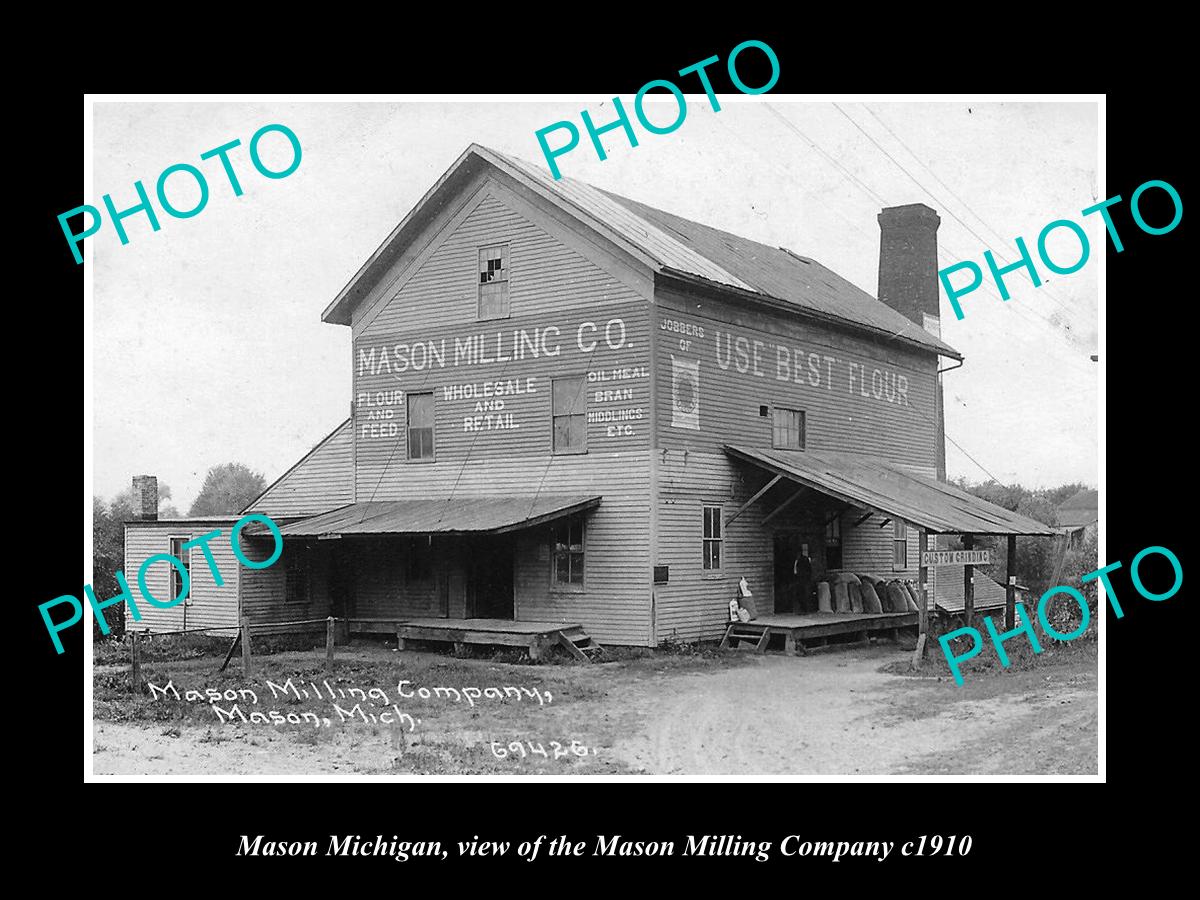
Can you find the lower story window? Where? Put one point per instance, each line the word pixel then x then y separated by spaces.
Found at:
pixel 712 537
pixel 833 543
pixel 420 558
pixel 900 546
pixel 184 557
pixel 297 573
pixel 567 552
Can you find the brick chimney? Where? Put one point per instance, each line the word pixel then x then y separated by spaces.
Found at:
pixel 908 283
pixel 145 497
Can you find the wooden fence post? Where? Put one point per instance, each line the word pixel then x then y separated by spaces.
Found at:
pixel 1010 589
pixel 923 600
pixel 246 659
pixel 968 542
pixel 136 665
pixel 329 625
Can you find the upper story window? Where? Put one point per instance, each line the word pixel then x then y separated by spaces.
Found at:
pixel 420 426
pixel 569 401
pixel 787 429
pixel 493 282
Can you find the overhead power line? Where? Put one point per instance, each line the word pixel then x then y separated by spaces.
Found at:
pixel 1003 257
pixel 1023 310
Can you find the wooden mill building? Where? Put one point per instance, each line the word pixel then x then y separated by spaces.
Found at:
pixel 570 408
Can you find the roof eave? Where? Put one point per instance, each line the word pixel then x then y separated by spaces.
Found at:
pixel 934 346
pixel 339 311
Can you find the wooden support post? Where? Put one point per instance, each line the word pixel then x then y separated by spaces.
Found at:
pixel 923 601
pixel 237 639
pixel 460 648
pixel 399 638
pixel 135 669
pixel 246 660
pixel 330 624
pixel 1010 589
pixel 968 542
pixel 789 642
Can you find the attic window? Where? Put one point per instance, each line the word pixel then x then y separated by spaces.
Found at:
pixel 493 282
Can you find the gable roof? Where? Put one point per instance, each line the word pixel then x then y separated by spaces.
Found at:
pixel 1080 510
pixel 670 246
pixel 320 480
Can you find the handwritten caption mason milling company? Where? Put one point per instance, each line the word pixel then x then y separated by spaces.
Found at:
pixel 380 707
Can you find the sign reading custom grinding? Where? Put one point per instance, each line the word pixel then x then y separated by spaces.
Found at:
pixel 956 558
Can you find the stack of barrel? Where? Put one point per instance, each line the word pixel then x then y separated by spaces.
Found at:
pixel 846 592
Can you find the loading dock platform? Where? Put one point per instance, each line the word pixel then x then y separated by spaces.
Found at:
pixel 798 629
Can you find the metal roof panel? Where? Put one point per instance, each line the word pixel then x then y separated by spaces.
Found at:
pixel 872 483
pixel 456 515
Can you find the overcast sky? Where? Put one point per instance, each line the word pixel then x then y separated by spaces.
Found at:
pixel 209 346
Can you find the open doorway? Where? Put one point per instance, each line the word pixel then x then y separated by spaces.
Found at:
pixel 793 574
pixel 491 575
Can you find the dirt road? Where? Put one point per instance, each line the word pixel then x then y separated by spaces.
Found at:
pixel 833 712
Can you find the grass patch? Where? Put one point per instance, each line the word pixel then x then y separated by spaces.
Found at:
pixel 1021 658
pixel 114 650
pixel 448 732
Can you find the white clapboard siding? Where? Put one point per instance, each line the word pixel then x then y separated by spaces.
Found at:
pixel 585 320
pixel 322 480
pixel 693 604
pixel 210 605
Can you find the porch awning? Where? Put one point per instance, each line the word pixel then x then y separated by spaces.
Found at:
pixel 458 515
pixel 869 483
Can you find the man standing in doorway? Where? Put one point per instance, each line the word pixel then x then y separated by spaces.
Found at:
pixel 803 571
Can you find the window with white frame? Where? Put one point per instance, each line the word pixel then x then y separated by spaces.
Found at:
pixel 420 426
pixel 787 429
pixel 185 557
pixel 568 398
pixel 493 282
pixel 712 537
pixel 900 546
pixel 567 543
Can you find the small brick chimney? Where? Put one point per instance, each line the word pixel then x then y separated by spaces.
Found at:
pixel 145 498
pixel 908 283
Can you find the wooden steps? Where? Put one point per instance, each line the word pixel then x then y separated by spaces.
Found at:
pixel 580 645
pixel 758 635
pixel 798 630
